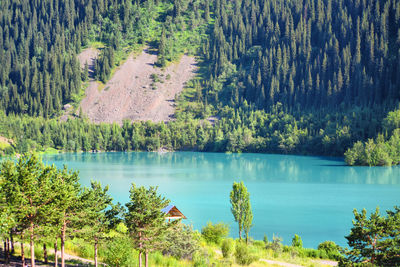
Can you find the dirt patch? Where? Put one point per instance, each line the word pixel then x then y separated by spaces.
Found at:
pixel 327 262
pixel 138 91
pixel 88 56
pixel 280 263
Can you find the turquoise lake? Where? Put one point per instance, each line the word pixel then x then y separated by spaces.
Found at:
pixel 310 196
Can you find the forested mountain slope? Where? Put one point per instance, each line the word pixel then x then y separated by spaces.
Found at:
pixel 300 76
pixel 39 41
pixel 305 53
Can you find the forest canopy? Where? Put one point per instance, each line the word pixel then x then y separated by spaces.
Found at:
pixel 303 76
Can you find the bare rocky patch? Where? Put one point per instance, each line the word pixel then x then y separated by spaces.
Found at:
pixel 138 90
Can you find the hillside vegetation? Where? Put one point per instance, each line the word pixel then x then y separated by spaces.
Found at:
pixel 303 76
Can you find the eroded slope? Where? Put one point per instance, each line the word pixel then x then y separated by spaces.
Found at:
pixel 138 90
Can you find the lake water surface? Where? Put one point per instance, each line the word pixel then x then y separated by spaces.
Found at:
pixel 310 196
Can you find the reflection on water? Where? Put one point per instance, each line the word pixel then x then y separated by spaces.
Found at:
pixel 260 167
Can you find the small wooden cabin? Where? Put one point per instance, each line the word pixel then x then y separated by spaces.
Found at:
pixel 172 213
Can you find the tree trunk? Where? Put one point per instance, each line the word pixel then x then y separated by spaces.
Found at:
pixel 45 253
pixel 140 259
pixel 55 254
pixel 240 234
pixel 6 251
pixel 140 249
pixel 32 247
pixel 146 259
pixel 95 253
pixel 22 251
pixel 12 243
pixel 63 244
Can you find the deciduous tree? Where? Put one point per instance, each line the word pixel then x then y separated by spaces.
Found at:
pixel 241 208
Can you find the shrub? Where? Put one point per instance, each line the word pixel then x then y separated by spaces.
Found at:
pixel 214 233
pixel 276 244
pixel 227 248
pixel 258 243
pixel 242 254
pixel 328 246
pixel 180 242
pixel 119 252
pixel 200 259
pixel 265 239
pixel 297 242
pixel 331 249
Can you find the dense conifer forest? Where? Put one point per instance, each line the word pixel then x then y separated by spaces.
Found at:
pixel 309 54
pixel 304 76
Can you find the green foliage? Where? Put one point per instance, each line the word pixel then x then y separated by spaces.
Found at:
pixel 180 242
pixel 214 233
pixel 257 54
pixel 331 248
pixel 119 252
pixel 392 121
pixel 376 239
pixel 279 78
pixel 375 153
pixel 243 255
pixel 241 208
pixel 39 197
pixel 145 220
pixel 228 246
pixel 297 242
pixel 98 217
pixel 276 244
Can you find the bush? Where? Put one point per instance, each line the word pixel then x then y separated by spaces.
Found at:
pixel 242 254
pixel 119 252
pixel 200 259
pixel 180 242
pixel 258 243
pixel 227 248
pixel 275 245
pixel 297 242
pixel 331 249
pixel 214 233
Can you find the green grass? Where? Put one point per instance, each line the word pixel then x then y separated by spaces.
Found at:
pixel 208 255
pixel 49 151
pixel 4 145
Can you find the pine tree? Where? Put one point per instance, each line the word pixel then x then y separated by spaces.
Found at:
pixel 68 205
pixel 30 191
pixel 95 223
pixel 145 220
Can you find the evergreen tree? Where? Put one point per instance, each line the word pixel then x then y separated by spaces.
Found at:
pixel 96 223
pixel 69 206
pixel 30 191
pixel 145 220
pixel 375 239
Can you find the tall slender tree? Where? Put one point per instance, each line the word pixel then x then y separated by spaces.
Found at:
pixel 241 208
